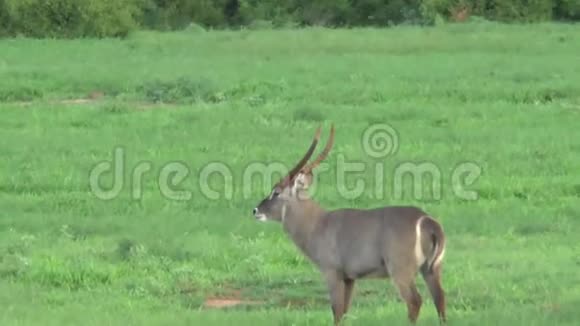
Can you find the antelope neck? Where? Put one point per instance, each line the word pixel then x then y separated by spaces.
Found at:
pixel 301 220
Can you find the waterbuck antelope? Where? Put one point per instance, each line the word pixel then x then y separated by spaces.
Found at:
pixel 348 244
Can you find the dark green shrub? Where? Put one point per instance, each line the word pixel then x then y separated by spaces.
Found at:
pixel 449 9
pixel 497 10
pixel 116 18
pixel 321 12
pixel 4 19
pixel 384 12
pixel 249 11
pixel 70 18
pixel 329 12
pixel 522 10
pixel 177 14
pixel 567 10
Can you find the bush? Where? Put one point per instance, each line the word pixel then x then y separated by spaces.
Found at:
pixel 498 10
pixel 246 12
pixel 567 10
pixel 522 10
pixel 431 10
pixel 384 12
pixel 102 18
pixel 70 18
pixel 321 12
pixel 330 12
pixel 177 14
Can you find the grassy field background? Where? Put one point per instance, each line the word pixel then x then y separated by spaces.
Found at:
pixel 504 97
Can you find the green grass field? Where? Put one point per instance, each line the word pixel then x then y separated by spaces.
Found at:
pixel 506 98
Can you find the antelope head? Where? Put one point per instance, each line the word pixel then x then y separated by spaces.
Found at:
pixel 293 187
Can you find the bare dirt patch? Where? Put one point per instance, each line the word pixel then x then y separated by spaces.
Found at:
pixel 227 302
pixel 229 298
pixel 90 98
pixel 77 101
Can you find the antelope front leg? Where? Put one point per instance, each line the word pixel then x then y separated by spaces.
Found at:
pixel 336 288
pixel 348 289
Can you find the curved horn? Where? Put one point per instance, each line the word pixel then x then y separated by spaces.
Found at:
pixel 304 159
pixel 323 154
